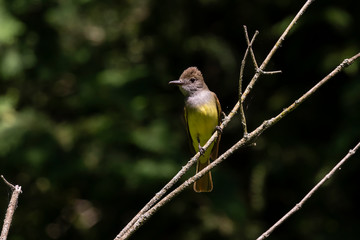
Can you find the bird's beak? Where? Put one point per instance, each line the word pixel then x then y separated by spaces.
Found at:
pixel 177 82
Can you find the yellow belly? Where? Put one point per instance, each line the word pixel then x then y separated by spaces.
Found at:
pixel 202 121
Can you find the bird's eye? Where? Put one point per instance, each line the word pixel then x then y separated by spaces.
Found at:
pixel 192 80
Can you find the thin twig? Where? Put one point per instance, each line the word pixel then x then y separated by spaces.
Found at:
pixel 242 113
pixel 250 46
pixel 246 140
pixel 130 228
pixel 269 72
pixel 309 194
pixel 16 190
pixel 12 187
pixel 243 62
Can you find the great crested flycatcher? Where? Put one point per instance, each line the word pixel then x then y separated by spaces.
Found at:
pixel 202 115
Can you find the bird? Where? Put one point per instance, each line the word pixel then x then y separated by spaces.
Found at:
pixel 202 113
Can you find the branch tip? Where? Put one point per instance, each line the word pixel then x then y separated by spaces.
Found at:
pixel 8 183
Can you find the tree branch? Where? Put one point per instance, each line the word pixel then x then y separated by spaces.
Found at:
pixel 16 190
pixel 250 43
pixel 308 196
pixel 249 47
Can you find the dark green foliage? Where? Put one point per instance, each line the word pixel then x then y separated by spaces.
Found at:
pixel 91 130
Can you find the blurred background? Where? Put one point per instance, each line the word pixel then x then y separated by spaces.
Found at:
pixel 91 130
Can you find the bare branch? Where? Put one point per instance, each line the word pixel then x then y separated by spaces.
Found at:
pixel 16 190
pixel 12 187
pixel 242 113
pixel 269 72
pixel 250 46
pixel 308 196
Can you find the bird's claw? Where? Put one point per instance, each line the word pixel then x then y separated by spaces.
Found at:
pixel 201 150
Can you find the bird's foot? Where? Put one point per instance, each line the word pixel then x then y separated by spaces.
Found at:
pixel 201 150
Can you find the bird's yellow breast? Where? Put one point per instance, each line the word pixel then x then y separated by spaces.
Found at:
pixel 202 121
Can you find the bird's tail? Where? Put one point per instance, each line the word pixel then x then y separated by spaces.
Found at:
pixel 204 184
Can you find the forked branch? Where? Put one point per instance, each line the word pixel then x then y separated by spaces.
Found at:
pixel 242 67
